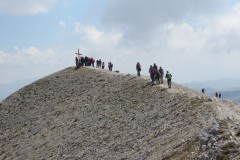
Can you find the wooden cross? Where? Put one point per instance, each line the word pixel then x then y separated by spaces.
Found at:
pixel 78 53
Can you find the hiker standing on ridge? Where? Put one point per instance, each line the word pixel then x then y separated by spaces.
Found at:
pixel 91 61
pixel 82 61
pixel 103 65
pixel 100 63
pixel 155 66
pixel 110 65
pixel 86 61
pixel 97 64
pixel 219 95
pixel 157 76
pixel 161 74
pixel 216 94
pixel 138 68
pixel 152 73
pixel 77 63
pixel 169 79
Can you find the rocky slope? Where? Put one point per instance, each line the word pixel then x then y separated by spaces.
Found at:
pixel 95 114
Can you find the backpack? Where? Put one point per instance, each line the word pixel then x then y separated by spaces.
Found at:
pixel 169 76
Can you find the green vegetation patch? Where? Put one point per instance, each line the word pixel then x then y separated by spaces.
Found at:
pixel 230 145
pixel 223 123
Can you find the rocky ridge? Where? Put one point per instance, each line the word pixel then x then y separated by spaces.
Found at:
pixel 97 114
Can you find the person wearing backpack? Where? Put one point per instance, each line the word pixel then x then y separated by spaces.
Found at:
pixel 169 79
pixel 138 68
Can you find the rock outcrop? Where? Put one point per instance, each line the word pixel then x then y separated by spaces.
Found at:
pixel 94 114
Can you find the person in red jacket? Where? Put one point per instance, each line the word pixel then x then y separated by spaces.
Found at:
pixel 91 61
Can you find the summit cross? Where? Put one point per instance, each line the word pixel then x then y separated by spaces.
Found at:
pixel 78 53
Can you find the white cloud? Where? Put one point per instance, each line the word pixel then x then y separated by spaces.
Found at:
pixel 2 57
pixel 29 56
pixel 31 62
pixel 92 37
pixel 188 52
pixel 25 7
pixel 223 32
pixel 62 24
pixel 140 19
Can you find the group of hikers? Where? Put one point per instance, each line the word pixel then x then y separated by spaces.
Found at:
pixel 156 74
pixel 86 61
pixel 217 94
pixel 100 64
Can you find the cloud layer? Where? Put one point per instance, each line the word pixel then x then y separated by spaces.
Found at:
pixel 28 56
pixel 194 40
pixel 31 62
pixel 187 37
pixel 26 7
pixel 140 19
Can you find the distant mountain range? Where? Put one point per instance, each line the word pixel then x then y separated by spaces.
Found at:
pixel 229 88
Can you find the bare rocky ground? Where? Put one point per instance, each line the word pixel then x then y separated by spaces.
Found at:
pixel 95 114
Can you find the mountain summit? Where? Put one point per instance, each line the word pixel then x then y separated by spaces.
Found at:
pixel 96 114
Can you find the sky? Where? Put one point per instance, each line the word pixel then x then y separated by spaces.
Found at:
pixel 194 40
